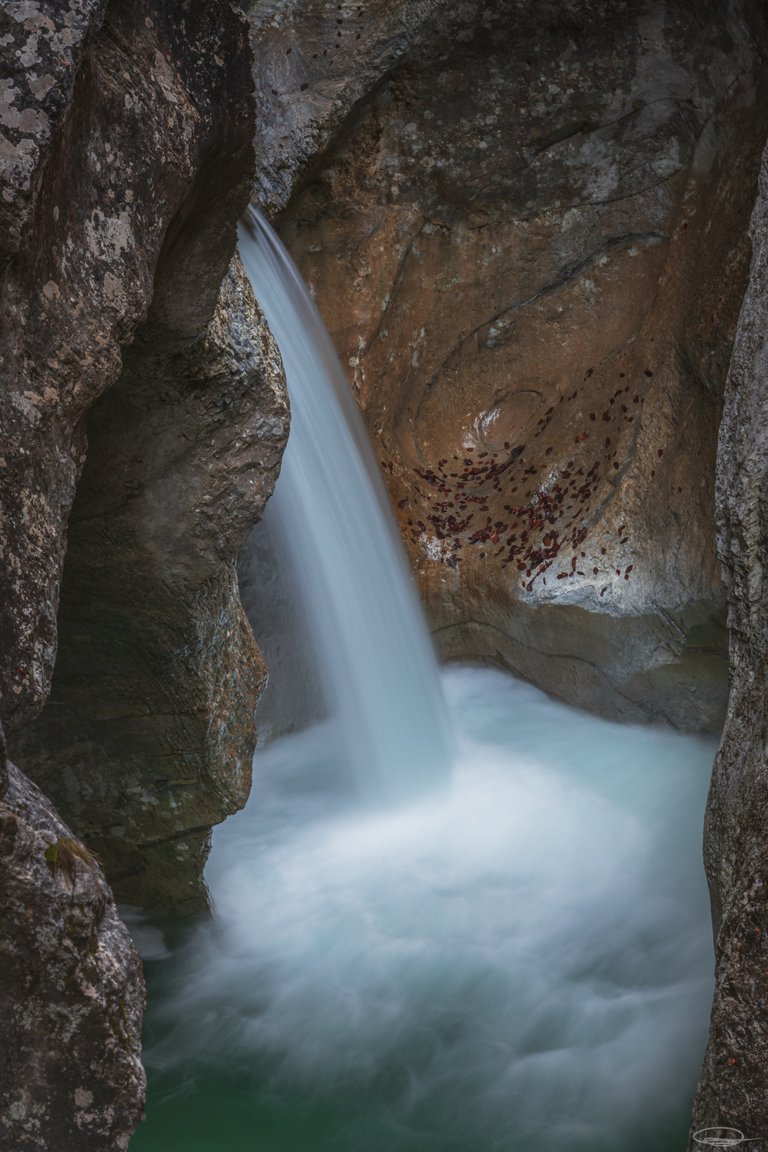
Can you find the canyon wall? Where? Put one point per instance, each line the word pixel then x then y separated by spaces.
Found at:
pixel 527 228
pixel 136 367
pixel 147 736
pixel 529 243
pixel 733 1087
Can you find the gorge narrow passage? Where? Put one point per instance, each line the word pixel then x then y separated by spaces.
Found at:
pixel 522 963
pixel 437 928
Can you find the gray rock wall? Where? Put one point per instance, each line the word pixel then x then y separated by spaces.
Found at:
pixel 153 148
pixel 71 991
pixel 147 737
pixel 734 1083
pixel 127 348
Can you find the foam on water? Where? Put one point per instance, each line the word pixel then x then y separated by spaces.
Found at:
pixel 523 963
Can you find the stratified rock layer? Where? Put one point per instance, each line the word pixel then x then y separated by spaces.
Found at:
pixel 733 1089
pixel 529 244
pixel 72 994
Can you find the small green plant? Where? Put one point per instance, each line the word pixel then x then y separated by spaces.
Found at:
pixel 62 857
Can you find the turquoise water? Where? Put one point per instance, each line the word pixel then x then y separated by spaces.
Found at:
pixel 521 962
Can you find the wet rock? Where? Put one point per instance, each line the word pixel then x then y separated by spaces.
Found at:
pixel 530 245
pixel 733 1089
pixel 72 993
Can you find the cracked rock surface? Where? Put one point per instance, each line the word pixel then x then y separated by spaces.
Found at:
pixel 529 242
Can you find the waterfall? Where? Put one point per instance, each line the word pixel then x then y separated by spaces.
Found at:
pixel 342 543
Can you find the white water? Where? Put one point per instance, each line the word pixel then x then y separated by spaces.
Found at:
pixel 521 964
pixel 519 961
pixel 336 523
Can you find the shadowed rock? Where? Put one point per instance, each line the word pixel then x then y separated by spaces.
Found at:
pixel 733 1089
pixel 72 992
pixel 147 737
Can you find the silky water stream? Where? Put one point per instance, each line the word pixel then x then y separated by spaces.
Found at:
pixel 448 920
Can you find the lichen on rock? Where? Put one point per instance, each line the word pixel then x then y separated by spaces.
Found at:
pixel 72 992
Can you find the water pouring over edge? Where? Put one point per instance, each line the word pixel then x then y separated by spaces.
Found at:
pixel 338 528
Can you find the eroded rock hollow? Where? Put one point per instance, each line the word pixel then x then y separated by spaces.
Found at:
pixel 530 245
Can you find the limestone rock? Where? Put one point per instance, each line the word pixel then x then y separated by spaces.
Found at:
pixel 314 60
pixel 42 46
pixel 148 734
pixel 733 1089
pixel 152 150
pixel 529 244
pixel 72 992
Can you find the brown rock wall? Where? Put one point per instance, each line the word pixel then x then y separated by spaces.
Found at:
pixel 529 245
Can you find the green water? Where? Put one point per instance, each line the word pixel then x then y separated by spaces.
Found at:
pixel 230 1114
pixel 520 964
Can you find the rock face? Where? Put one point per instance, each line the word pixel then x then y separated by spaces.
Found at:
pixel 127 141
pixel 126 157
pixel 72 994
pixel 529 244
pixel 129 228
pixel 526 225
pixel 148 733
pixel 314 60
pixel 734 1084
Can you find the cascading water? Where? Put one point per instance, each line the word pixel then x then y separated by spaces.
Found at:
pixel 333 514
pixel 519 961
